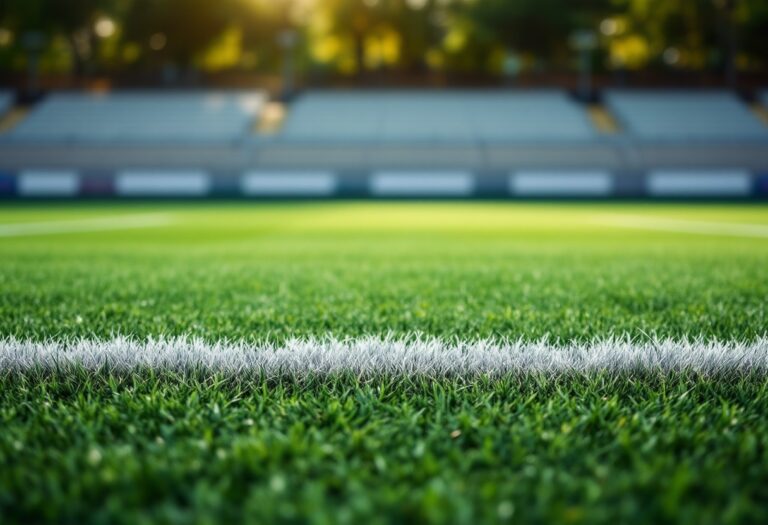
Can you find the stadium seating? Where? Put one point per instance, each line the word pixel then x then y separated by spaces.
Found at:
pixel 142 117
pixel 684 115
pixel 453 116
pixel 6 102
pixel 763 98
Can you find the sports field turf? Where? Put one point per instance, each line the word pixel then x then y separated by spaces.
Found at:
pixel 152 444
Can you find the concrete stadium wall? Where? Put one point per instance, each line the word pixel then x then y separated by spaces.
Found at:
pixel 591 184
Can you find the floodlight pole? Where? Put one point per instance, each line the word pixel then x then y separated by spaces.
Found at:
pixel 585 80
pixel 585 42
pixel 287 40
pixel 34 43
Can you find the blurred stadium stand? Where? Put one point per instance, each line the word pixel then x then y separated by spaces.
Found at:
pixel 421 144
pixel 6 102
pixel 444 130
pixel 437 116
pixel 141 117
pixel 697 134
pixel 685 115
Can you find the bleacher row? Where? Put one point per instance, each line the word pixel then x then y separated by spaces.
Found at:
pixel 685 116
pixel 409 144
pixel 141 117
pixel 266 184
pixel 466 117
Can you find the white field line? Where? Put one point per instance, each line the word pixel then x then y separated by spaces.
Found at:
pixel 386 356
pixel 641 222
pixel 120 222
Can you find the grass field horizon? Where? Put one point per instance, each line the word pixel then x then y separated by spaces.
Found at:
pixel 565 272
pixel 670 440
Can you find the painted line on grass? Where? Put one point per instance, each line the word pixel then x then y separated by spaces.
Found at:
pixel 121 222
pixel 372 356
pixel 641 222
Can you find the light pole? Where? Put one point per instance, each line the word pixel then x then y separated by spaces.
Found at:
pixel 512 67
pixel 287 40
pixel 585 42
pixel 33 42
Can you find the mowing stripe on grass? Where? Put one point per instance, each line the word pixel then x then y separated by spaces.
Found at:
pixel 731 229
pixel 373 356
pixel 121 222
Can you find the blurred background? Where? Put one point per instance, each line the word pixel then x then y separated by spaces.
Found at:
pixel 326 95
pixel 47 44
pixel 100 43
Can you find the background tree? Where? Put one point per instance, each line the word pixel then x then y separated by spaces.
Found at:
pixel 261 22
pixel 409 36
pixel 72 20
pixel 176 31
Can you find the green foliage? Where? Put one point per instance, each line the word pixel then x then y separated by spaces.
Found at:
pixel 189 26
pixel 449 35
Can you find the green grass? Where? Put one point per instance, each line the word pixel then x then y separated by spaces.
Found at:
pixel 348 269
pixel 80 449
pixel 157 447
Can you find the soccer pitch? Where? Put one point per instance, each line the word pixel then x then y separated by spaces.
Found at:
pixel 386 362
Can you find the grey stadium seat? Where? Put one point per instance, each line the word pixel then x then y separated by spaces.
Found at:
pixel 142 117
pixel 685 115
pixel 460 116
